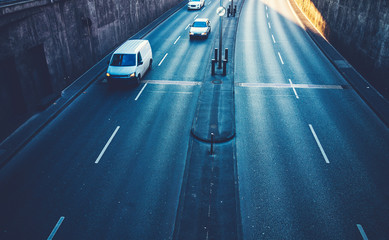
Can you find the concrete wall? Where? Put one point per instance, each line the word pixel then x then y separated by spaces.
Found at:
pixel 46 44
pixel 359 30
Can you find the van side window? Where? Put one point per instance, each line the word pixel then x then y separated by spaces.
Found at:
pixel 140 61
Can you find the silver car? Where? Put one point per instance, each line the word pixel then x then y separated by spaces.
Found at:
pixel 200 28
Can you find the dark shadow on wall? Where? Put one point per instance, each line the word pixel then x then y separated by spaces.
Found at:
pixel 19 102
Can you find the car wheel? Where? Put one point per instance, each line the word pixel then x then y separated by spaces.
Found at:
pixel 151 64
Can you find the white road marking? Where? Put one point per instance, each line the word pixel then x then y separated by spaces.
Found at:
pixel 286 85
pixel 162 60
pixel 209 2
pixel 269 25
pixel 203 9
pixel 143 88
pixel 187 26
pixel 169 82
pixel 360 228
pixel 266 7
pixel 196 16
pixel 107 144
pixel 56 228
pixel 319 144
pixel 294 90
pixel 267 15
pixel 177 40
pixel 279 54
pixel 274 40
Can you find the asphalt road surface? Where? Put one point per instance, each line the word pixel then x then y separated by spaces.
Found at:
pixel 312 157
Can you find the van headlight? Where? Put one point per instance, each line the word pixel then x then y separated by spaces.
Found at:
pixel 132 75
pixel 108 75
pixel 204 33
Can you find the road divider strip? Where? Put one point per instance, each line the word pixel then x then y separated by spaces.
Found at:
pixel 56 228
pixel 319 144
pixel 106 145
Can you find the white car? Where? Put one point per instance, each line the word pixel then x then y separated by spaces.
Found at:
pixel 201 27
pixel 195 4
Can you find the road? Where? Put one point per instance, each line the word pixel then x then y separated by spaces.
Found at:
pixel 311 156
pixel 132 190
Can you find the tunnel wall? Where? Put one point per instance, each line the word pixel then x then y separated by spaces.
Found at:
pixel 46 44
pixel 359 30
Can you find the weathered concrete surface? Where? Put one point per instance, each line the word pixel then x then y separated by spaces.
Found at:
pixel 46 44
pixel 359 30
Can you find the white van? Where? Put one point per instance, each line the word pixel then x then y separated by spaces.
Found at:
pixel 130 61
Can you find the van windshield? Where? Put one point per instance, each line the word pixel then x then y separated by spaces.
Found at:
pixel 123 60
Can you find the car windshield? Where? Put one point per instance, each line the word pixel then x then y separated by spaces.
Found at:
pixel 123 60
pixel 199 24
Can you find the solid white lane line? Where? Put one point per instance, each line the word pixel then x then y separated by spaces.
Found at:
pixel 360 228
pixel 269 25
pixel 56 228
pixel 162 60
pixel 294 90
pixel 319 144
pixel 279 54
pixel 143 88
pixel 107 144
pixel 196 16
pixel 187 26
pixel 274 40
pixel 177 40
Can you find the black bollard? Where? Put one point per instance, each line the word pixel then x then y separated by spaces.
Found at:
pixel 216 51
pixel 213 67
pixel 226 54
pixel 224 67
pixel 212 143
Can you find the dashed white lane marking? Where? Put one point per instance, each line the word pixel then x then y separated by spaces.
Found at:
pixel 269 25
pixel 140 92
pixel 203 9
pixel 266 7
pixel 360 228
pixel 177 40
pixel 162 60
pixel 187 26
pixel 196 16
pixel 279 54
pixel 106 145
pixel 294 90
pixel 56 228
pixel 274 40
pixel 267 15
pixel 319 144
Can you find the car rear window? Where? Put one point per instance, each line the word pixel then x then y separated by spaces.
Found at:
pixel 123 60
pixel 199 24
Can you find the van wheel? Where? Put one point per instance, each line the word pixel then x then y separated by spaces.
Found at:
pixel 151 64
pixel 138 80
